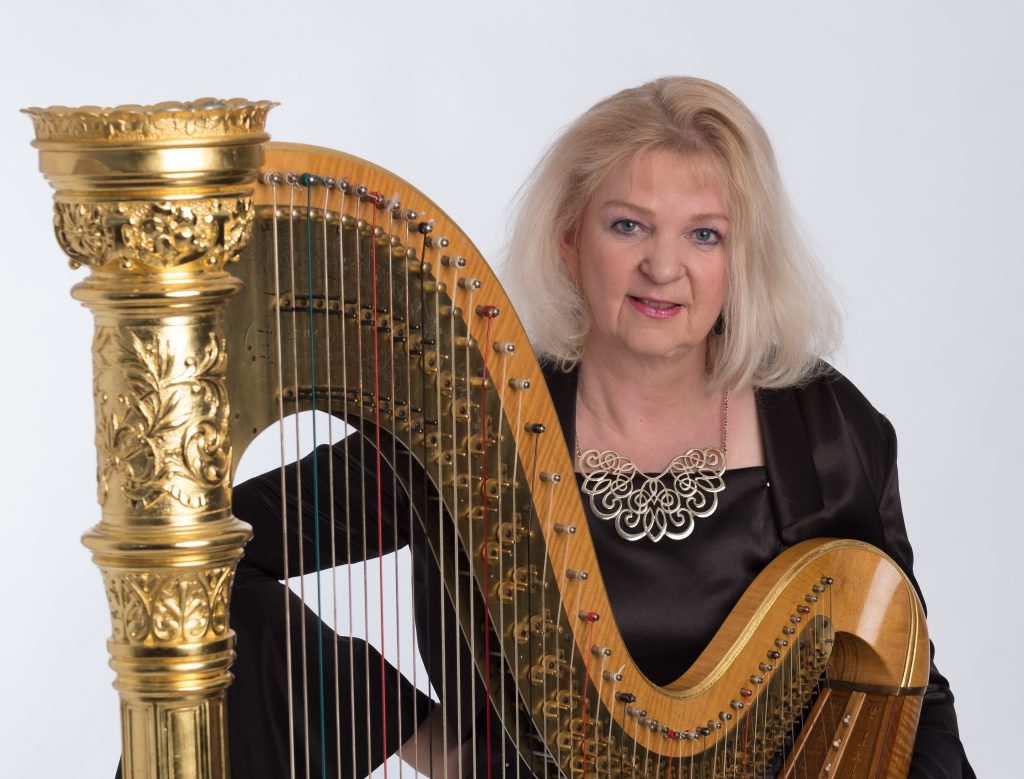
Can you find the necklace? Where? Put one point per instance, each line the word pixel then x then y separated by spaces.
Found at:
pixel 653 508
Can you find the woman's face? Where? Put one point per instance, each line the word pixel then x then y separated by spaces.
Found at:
pixel 650 257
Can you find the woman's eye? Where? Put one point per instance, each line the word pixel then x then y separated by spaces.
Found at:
pixel 707 236
pixel 626 226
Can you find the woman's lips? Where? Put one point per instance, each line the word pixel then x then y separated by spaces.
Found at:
pixel 654 308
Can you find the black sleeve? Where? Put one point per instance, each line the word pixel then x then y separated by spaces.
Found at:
pixel 283 648
pixel 938 752
pixel 332 490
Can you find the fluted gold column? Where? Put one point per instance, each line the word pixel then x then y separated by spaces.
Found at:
pixel 156 200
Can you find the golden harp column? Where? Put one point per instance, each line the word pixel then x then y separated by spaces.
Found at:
pixel 156 200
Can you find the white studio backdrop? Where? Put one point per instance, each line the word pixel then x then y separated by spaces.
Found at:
pixel 897 126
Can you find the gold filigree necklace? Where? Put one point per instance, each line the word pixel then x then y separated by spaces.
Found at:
pixel 654 509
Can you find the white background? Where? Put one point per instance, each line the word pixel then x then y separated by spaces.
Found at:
pixel 898 127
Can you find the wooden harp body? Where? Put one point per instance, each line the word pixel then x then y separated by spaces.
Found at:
pixel 362 299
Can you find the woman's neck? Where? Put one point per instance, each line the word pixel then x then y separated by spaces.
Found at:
pixel 648 411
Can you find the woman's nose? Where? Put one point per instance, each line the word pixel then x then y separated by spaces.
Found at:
pixel 664 262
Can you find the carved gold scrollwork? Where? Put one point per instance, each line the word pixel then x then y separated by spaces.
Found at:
pixel 164 433
pixel 169 609
pixel 156 199
pixel 154 236
pixel 204 118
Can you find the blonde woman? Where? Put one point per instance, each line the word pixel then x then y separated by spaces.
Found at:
pixel 658 269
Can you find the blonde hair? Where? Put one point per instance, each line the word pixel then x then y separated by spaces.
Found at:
pixel 779 315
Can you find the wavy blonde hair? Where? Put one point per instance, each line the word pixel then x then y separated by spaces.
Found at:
pixel 780 318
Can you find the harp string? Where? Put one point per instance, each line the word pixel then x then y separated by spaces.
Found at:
pixel 449 359
pixel 393 325
pixel 378 472
pixel 502 388
pixel 534 608
pixel 293 183
pixel 442 548
pixel 471 546
pixel 424 331
pixel 283 485
pixel 360 455
pixel 823 610
pixel 616 678
pixel 408 331
pixel 485 438
pixel 584 682
pixel 515 554
pixel 330 467
pixel 307 181
pixel 348 485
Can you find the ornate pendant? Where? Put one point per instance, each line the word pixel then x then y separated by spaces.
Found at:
pixel 662 506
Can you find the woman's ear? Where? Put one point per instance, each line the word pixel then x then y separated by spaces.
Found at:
pixel 570 254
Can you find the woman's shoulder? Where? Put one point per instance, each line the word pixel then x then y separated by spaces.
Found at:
pixel 827 391
pixel 832 416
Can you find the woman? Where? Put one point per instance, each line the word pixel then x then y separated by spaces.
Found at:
pixel 660 271
pixel 682 323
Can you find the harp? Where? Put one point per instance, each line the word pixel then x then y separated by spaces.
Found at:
pixel 819 669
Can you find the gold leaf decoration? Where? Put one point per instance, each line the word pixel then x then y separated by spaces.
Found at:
pixel 168 609
pixel 154 236
pixel 204 118
pixel 163 432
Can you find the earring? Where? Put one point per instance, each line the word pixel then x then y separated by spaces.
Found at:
pixel 719 326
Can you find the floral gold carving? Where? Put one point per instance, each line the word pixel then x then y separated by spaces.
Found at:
pixel 156 200
pixel 163 434
pixel 204 118
pixel 154 236
pixel 169 608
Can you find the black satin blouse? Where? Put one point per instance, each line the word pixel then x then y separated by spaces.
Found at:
pixel 830 472
pixel 669 597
